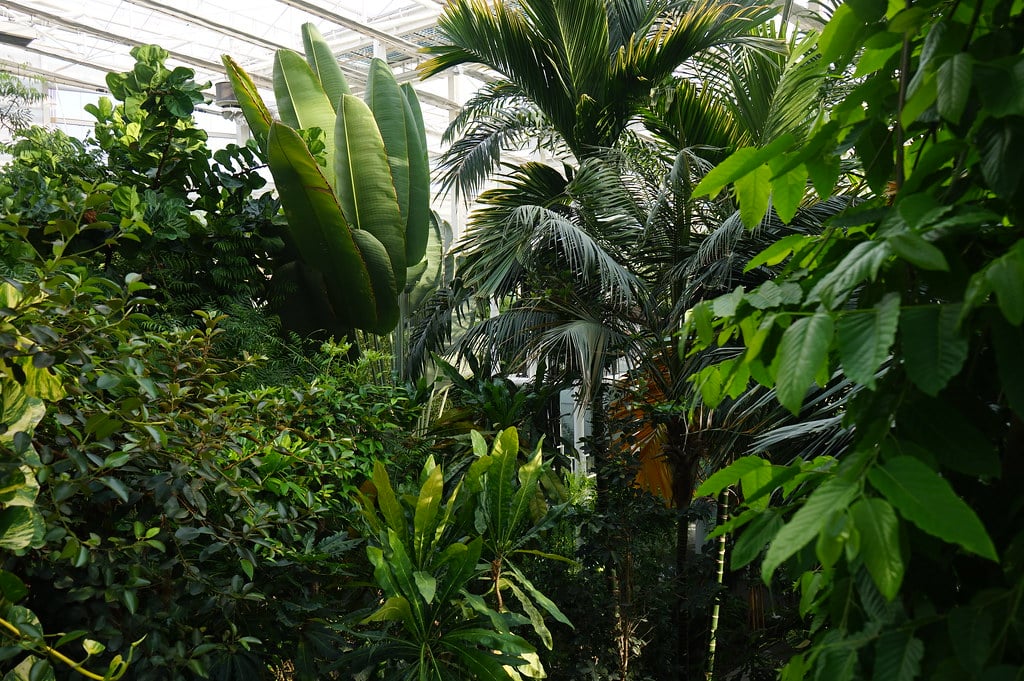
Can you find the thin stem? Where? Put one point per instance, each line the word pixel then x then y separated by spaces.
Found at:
pixel 898 131
pixel 56 654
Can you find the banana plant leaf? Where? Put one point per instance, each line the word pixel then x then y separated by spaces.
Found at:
pixel 364 188
pixel 324 64
pixel 362 294
pixel 256 113
pixel 306 308
pixel 385 99
pixel 301 100
pixel 418 222
pixel 424 277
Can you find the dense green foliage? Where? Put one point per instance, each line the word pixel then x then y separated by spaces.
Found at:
pixel 430 553
pixel 166 494
pixel 354 182
pixel 905 549
pixel 167 502
pixel 186 492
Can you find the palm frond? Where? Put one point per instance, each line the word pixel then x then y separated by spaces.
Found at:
pixel 687 31
pixel 500 36
pixel 476 154
pixel 581 252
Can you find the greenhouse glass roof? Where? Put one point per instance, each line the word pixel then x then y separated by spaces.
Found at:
pixel 72 44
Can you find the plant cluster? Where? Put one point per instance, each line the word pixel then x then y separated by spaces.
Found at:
pixel 904 549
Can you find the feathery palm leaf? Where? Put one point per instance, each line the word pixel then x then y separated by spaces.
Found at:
pixel 589 65
pixel 538 217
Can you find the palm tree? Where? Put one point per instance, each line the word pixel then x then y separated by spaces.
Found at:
pixel 593 261
pixel 574 73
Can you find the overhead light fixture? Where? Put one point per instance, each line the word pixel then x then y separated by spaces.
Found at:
pixel 17 34
pixel 224 96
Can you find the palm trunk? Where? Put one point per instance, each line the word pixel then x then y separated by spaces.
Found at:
pixel 723 517
pixel 685 456
pixel 619 586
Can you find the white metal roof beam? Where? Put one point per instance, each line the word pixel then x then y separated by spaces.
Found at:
pixel 182 15
pixel 213 67
pixel 51 77
pixel 401 44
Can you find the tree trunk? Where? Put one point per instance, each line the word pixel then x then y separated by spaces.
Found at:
pixel 684 452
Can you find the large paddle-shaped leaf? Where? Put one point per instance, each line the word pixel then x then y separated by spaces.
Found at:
pixel 364 188
pixel 324 64
pixel 418 221
pixel 256 113
pixel 301 100
pixel 362 294
pixel 387 103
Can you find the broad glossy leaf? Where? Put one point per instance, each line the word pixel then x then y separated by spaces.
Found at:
pixel 401 567
pixel 382 281
pixel 865 337
pixel 12 589
pixel 954 85
pixel 388 503
pixel 835 534
pixel 256 113
pixel 879 544
pixel 386 101
pixel 803 352
pixel 730 475
pixel 482 664
pixel 324 238
pixel 301 100
pixel 898 656
pixel 427 585
pixel 41 383
pixel 428 270
pixel 803 527
pixel 321 59
pixel 920 99
pixel 21 413
pixel 928 501
pixel 838 38
pixel 859 265
pixel 364 186
pixel 753 191
pixel 913 248
pixel 497 493
pixel 824 174
pixel 755 486
pixel 739 164
pixel 755 537
pixel 777 252
pixel 418 224
pixel 529 474
pixel 788 190
pixel 20 528
pixel 933 348
pixel 395 608
pixel 425 520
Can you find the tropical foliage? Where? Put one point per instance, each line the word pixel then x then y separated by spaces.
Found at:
pixel 447 573
pixel 783 271
pixel 353 180
pixel 903 548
